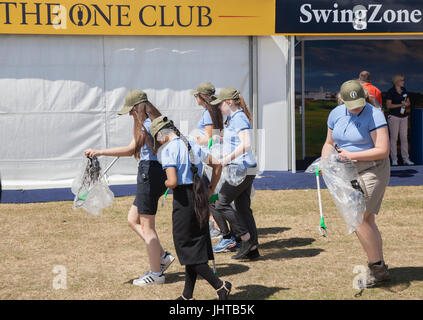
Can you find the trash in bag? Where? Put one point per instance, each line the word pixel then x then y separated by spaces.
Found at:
pixel 313 167
pixel 234 174
pixel 341 178
pixel 90 188
pixel 216 151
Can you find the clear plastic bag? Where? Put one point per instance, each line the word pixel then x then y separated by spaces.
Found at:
pixel 90 188
pixel 216 151
pixel 314 166
pixel 341 178
pixel 235 174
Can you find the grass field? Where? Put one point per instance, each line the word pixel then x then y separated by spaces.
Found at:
pixel 317 113
pixel 100 254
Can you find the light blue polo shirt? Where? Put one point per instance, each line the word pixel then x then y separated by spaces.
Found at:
pixel 146 153
pixel 234 125
pixel 352 131
pixel 205 120
pixel 175 154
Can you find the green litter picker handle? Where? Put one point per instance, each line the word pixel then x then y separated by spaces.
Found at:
pixel 165 196
pixel 215 196
pixel 322 227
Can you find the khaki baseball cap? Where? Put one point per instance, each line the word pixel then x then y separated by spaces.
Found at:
pixel 156 125
pixel 352 93
pixel 132 98
pixel 226 94
pixel 205 88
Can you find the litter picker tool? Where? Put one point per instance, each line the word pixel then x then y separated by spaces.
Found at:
pixel 165 196
pixel 95 161
pixel 322 227
pixel 90 187
pixel 212 199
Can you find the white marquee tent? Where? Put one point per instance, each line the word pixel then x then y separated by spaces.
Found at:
pixel 60 96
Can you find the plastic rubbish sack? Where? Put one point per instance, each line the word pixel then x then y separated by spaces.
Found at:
pixel 341 178
pixel 216 151
pixel 234 174
pixel 314 166
pixel 90 188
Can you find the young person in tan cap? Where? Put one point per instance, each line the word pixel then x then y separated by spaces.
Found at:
pixel 237 142
pixel 211 121
pixel 183 160
pixel 150 183
pixel 361 133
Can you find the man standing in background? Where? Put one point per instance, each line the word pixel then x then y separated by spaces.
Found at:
pixel 375 95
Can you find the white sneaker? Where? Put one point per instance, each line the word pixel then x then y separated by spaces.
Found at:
pixel 166 261
pixel 148 279
pixel 394 162
pixel 408 162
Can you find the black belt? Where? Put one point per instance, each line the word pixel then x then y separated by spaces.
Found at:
pixel 184 186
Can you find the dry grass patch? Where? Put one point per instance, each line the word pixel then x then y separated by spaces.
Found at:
pixel 101 254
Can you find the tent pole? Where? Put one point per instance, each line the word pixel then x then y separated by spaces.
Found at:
pixel 291 98
pixel 254 88
pixel 303 109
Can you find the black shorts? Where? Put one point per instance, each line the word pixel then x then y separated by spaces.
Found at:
pixel 150 186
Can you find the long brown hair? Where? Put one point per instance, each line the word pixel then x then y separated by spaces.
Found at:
pixel 201 201
pixel 240 102
pixel 214 111
pixel 143 111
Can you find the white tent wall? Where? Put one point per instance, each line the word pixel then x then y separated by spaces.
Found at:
pixel 167 68
pixel 274 115
pixel 52 102
pixel 60 95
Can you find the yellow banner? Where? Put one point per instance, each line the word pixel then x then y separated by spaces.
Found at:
pixel 138 17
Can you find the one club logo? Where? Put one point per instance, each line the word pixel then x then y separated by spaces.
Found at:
pixel 82 14
pixel 353 94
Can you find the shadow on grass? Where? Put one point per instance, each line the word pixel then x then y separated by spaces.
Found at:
pixel 228 269
pixel 222 270
pixel 255 292
pixel 287 243
pixel 401 278
pixel 274 230
pixel 284 253
pixel 292 254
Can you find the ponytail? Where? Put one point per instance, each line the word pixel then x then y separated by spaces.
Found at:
pixel 140 137
pixel 214 111
pixel 143 111
pixel 201 201
pixel 241 103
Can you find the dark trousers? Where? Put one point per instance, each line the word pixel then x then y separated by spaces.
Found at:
pixel 240 217
pixel 203 269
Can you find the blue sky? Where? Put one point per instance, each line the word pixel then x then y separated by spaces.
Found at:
pixel 329 63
